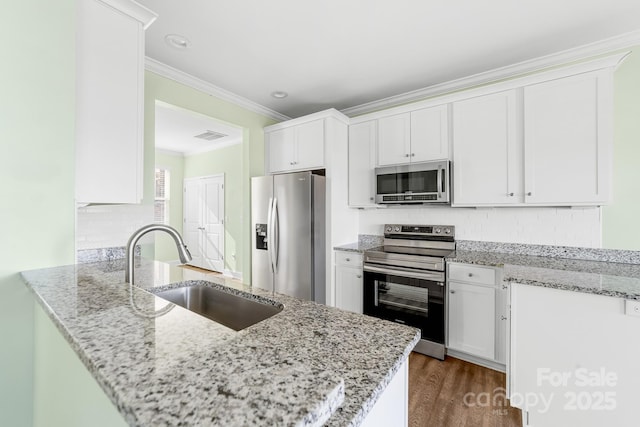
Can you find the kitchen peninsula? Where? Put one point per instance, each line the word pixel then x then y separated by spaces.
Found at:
pixel 307 365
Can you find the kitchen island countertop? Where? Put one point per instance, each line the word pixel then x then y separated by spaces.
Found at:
pixel 308 365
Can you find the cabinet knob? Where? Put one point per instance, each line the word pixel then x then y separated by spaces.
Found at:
pixel 347 259
pixel 406 155
pixel 470 274
pixel 371 198
pixel 359 276
pixel 510 194
pixel 452 291
pixel 413 154
pixel 503 317
pixel 504 286
pixel 529 193
pixel 291 163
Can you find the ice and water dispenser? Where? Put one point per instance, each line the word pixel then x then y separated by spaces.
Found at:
pixel 261 236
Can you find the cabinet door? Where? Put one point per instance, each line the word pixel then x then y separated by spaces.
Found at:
pixel 472 319
pixel 394 135
pixel 309 145
pixel 349 289
pixel 362 161
pixel 486 151
pixel 429 134
pixel 281 149
pixel 109 105
pixel 568 140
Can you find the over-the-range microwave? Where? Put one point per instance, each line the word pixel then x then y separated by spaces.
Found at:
pixel 427 182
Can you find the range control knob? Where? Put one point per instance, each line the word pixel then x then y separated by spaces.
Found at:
pixel 447 231
pixel 397 229
pixel 388 229
pixel 438 231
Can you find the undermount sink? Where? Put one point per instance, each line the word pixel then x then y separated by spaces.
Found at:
pixel 231 310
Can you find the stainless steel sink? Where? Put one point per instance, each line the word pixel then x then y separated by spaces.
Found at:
pixel 233 311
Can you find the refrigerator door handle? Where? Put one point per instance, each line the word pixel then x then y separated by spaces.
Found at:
pixel 275 239
pixel 270 235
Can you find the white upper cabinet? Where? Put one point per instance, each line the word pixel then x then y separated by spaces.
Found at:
pixel 546 144
pixel 110 100
pixel 394 139
pixel 429 134
pixel 362 162
pixel 486 150
pixel 298 147
pixel 568 139
pixel 415 136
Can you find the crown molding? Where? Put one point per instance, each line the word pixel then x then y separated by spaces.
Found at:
pixel 169 72
pixel 134 10
pixel 622 41
pixel 324 114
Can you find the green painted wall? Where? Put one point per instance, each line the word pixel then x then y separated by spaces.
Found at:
pixel 226 161
pixel 620 228
pixel 37 213
pixel 68 396
pixel 252 162
pixel 165 248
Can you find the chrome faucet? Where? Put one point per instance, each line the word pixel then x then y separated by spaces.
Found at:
pixel 183 252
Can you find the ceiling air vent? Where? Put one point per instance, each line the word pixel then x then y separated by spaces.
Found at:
pixel 210 135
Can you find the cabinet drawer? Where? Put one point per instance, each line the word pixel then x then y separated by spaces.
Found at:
pixel 472 274
pixel 352 259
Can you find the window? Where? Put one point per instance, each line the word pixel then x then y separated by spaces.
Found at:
pixel 161 204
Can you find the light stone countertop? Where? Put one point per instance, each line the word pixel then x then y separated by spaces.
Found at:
pixel 307 365
pixel 548 268
pixel 595 277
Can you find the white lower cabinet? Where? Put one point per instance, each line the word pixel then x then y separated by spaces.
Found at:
pixel 349 281
pixel 392 407
pixel 574 358
pixel 477 314
pixel 472 319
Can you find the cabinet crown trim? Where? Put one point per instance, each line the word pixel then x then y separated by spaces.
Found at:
pixel 330 113
pixel 535 65
pixel 134 10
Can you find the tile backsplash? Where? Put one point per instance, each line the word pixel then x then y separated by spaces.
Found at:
pixel 107 226
pixel 541 226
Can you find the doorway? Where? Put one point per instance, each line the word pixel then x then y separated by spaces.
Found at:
pixel 204 227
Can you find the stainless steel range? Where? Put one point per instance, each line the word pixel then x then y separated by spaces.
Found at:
pixel 404 280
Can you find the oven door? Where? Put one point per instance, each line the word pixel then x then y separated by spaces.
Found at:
pixel 407 296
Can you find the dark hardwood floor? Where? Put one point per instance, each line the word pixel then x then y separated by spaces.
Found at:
pixel 457 393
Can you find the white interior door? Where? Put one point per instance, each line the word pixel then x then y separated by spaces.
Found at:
pixel 204 221
pixel 213 223
pixel 192 216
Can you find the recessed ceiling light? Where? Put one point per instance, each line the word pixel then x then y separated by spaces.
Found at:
pixel 177 41
pixel 279 94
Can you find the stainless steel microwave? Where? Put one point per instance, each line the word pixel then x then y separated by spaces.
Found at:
pixel 427 182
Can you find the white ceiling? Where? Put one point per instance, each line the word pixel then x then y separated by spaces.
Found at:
pixel 176 128
pixel 343 53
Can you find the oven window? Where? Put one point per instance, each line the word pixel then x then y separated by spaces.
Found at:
pixel 403 297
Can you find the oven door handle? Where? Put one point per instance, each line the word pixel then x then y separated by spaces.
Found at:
pixel 434 277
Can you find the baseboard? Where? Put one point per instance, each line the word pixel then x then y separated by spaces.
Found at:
pixel 500 367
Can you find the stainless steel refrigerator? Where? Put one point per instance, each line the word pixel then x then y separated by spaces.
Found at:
pixel 288 234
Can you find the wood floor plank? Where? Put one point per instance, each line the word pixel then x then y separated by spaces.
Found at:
pixel 437 391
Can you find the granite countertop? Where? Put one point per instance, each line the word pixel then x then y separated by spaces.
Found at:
pixel 597 277
pixel 308 365
pixel 606 277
